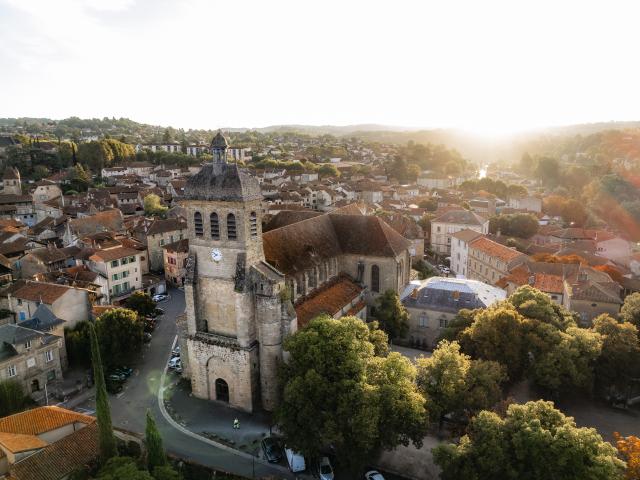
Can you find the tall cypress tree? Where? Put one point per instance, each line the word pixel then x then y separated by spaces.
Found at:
pixel 103 411
pixel 156 456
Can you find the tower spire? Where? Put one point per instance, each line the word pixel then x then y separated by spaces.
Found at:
pixel 219 147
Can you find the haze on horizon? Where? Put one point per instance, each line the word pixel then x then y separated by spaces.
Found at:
pixel 487 67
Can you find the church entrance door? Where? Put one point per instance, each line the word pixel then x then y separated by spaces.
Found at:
pixel 222 390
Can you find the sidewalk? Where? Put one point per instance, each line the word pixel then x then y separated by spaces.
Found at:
pixel 215 421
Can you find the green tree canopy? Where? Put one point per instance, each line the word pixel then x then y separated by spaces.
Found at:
pixel 107 441
pixel 156 456
pixel 153 205
pixel 13 399
pixel 120 332
pixel 122 468
pixel 523 225
pixel 337 391
pixel 453 383
pixel 329 170
pixel 533 441
pixel 393 316
pixel 620 358
pixel 141 303
pixel 630 311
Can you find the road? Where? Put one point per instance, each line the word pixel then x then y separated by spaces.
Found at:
pixel 128 408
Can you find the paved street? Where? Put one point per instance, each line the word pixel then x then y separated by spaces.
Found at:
pixel 129 407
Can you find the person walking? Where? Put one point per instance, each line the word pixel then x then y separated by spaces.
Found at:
pixel 236 424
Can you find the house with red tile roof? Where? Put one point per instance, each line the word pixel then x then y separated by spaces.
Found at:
pixel 489 261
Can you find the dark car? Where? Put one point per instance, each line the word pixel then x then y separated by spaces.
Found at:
pixel 123 370
pixel 146 337
pixel 157 312
pixel 116 377
pixel 113 386
pixel 272 449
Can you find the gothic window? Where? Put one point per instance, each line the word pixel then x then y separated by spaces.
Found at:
pixel 375 278
pixel 300 285
pixel 312 278
pixel 215 226
pixel 253 220
pixel 360 276
pixel 231 227
pixel 323 272
pixel 197 224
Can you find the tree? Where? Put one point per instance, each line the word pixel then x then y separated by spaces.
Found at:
pixel 453 383
pixel 548 171
pixel 532 303
pixel 497 334
pixel 630 311
pixel 120 333
pixel 79 178
pixel 619 360
pixel 107 441
pixel 568 365
pixel 153 205
pixel 156 456
pixel 429 204
pixel 122 468
pixel 166 473
pixel 78 343
pixel 533 441
pixel 12 398
pixel 141 303
pixel 393 316
pixel 629 448
pixel 337 391
pixel 574 213
pixel 463 319
pixel 328 170
pixel 523 225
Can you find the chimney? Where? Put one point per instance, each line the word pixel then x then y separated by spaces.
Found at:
pixel 532 280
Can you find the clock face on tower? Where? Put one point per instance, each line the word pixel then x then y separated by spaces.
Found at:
pixel 216 255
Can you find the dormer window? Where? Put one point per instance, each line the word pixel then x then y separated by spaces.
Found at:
pixel 27 344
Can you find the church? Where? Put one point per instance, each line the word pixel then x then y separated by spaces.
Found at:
pixel 246 290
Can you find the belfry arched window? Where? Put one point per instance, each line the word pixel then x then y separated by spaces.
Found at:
pixel 375 278
pixel 231 227
pixel 215 226
pixel 197 224
pixel 253 221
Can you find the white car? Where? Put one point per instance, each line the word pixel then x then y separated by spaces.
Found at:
pixel 295 460
pixel 373 475
pixel 175 362
pixel 325 472
pixel 161 297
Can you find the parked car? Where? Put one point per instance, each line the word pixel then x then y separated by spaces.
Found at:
pixel 272 449
pixel 178 368
pixel 325 471
pixel 174 362
pixel 176 351
pixel 373 475
pixel 116 376
pixel 146 337
pixel 113 386
pixel 123 370
pixel 295 461
pixel 157 312
pixel 161 297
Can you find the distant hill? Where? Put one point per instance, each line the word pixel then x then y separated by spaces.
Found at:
pixel 473 147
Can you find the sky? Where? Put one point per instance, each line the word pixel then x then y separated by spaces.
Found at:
pixel 484 66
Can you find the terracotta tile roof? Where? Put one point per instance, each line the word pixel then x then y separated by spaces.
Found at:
pixel 18 442
pixel 111 254
pixel 59 459
pixel 107 221
pixel 330 298
pixel 42 419
pixel 37 291
pixel 545 282
pixel 496 250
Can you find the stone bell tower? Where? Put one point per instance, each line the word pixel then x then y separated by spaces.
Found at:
pixel 235 318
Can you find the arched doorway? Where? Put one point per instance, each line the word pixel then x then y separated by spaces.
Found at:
pixel 222 390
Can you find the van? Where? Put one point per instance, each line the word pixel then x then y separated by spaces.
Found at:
pixel 295 461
